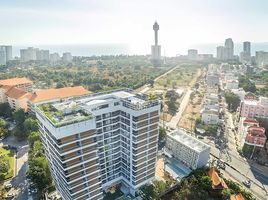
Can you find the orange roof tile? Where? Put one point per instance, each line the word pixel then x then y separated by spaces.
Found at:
pixel 16 93
pixel 50 94
pixel 6 87
pixel 237 197
pixel 217 182
pixel 15 81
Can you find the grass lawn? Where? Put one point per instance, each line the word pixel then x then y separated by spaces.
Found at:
pixel 9 155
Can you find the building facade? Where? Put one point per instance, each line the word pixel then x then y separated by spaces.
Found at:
pixel 254 108
pixel 67 57
pixel 187 149
pixel 100 141
pixel 3 60
pixel 192 54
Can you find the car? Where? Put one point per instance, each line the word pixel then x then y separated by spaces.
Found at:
pixel 8 186
pixel 247 183
pixel 10 195
pixel 200 137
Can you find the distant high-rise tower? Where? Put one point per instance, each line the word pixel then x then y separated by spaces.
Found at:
pixel 246 47
pixel 245 55
pixel 156 49
pixel 229 48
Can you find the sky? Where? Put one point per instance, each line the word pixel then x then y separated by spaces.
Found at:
pixel 183 23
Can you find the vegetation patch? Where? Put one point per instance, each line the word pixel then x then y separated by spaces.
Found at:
pixel 6 164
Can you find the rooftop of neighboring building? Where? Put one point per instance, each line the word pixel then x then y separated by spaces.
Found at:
pixel 16 93
pixel 237 197
pixel 15 81
pixel 182 137
pixel 250 122
pixel 256 131
pixel 60 93
pixel 217 181
pixel 232 81
pixel 210 111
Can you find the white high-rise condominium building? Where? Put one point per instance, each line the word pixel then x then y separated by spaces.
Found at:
pixel 54 58
pixel 3 60
pixel 229 48
pixel 28 54
pixel 5 54
pixel 221 53
pixel 42 55
pixel 98 141
pixel 67 57
pixel 246 47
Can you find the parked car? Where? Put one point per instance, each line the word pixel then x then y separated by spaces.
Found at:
pixel 10 195
pixel 8 186
pixel 247 183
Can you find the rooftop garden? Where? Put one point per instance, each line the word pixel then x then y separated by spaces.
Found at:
pixel 63 114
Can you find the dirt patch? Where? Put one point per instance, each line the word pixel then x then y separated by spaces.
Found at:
pixel 166 117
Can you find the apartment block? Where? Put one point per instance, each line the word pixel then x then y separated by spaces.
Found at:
pixel 95 142
pixel 187 149
pixel 254 108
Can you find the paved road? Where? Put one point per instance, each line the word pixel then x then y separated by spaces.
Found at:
pixel 21 165
pixel 176 118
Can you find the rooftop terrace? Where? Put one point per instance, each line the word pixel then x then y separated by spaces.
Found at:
pixel 62 114
pixel 79 109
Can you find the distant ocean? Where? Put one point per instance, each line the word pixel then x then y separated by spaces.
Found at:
pixel 81 50
pixel 117 49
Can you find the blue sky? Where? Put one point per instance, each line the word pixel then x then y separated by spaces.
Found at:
pixel 183 23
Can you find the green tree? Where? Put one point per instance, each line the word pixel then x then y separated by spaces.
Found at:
pixel 30 125
pixel 148 191
pixel 232 100
pixel 2 123
pixel 5 110
pixel 3 132
pixel 162 133
pixel 39 173
pixel 205 183
pixel 4 166
pixel 33 137
pixel 247 84
pixel 226 194
pixel 19 117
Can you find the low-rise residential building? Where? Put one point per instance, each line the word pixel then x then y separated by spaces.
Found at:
pixel 22 83
pixel 250 133
pixel 237 197
pixel 243 126
pixel 187 149
pixel 254 108
pixel 51 95
pixel 239 92
pixel 218 184
pixel 17 98
pixel 232 84
pixel 255 136
pixel 212 79
pixel 210 116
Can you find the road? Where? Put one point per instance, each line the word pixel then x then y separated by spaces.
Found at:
pixel 21 165
pixel 147 87
pixel 176 118
pixel 238 168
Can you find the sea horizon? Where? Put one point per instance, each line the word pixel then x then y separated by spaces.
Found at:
pixel 126 49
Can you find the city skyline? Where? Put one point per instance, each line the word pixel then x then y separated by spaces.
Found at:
pixel 99 22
